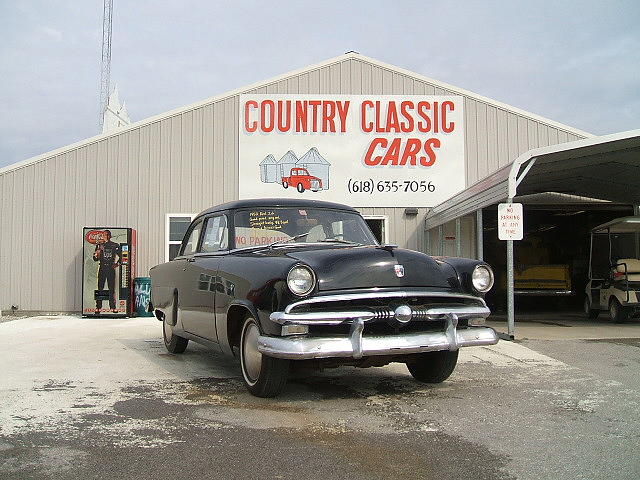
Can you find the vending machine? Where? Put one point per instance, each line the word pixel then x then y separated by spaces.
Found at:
pixel 108 270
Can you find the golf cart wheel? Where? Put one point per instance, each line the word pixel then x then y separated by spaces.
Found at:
pixel 589 312
pixel 618 313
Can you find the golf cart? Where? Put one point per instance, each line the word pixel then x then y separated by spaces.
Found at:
pixel 614 270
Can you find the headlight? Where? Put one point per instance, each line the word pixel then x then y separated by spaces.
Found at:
pixel 482 278
pixel 301 280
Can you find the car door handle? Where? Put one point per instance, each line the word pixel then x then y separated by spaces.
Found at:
pixel 191 259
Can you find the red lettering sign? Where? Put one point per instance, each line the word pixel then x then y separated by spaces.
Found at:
pixel 96 236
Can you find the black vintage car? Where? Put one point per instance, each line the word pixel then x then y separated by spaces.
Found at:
pixel 282 282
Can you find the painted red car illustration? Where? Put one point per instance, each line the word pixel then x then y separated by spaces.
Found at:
pixel 302 180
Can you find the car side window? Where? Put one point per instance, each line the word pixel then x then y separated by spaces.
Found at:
pixel 191 244
pixel 215 235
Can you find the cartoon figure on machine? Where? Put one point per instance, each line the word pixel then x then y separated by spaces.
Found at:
pixel 302 180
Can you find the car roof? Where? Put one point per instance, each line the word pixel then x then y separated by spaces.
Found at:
pixel 275 202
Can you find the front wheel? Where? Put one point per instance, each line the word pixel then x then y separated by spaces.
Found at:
pixel 173 342
pixel 618 313
pixel 263 376
pixel 300 188
pixel 589 312
pixel 433 367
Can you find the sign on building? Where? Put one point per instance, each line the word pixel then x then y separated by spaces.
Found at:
pixel 364 150
pixel 510 221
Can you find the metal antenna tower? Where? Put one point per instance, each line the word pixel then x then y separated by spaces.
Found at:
pixel 106 57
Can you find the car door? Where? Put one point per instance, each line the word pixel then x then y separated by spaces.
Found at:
pixel 187 276
pixel 213 246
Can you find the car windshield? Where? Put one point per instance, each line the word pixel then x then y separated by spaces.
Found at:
pixel 264 226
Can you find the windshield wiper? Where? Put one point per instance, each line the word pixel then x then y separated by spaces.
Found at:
pixel 337 240
pixel 288 240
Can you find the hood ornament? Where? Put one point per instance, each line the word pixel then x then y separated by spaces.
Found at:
pixel 399 270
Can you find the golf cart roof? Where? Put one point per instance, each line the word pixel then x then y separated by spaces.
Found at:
pixel 619 225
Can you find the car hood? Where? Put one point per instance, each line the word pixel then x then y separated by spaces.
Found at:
pixel 368 267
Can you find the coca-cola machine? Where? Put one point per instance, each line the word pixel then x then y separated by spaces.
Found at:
pixel 108 270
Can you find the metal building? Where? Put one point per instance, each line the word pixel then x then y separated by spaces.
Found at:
pixel 174 165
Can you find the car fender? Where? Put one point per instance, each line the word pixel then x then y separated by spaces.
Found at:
pixel 222 324
pixel 464 268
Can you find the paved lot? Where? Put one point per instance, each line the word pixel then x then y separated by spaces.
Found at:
pixel 84 398
pixel 565 325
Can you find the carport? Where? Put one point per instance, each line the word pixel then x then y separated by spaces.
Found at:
pixel 596 170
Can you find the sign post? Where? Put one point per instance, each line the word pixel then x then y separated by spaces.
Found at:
pixel 510 228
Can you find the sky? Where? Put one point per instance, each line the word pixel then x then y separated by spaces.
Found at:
pixel 575 62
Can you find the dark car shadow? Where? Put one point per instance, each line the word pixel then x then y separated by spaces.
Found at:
pixel 212 374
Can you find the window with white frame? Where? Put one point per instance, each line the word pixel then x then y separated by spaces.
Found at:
pixel 378 225
pixel 175 228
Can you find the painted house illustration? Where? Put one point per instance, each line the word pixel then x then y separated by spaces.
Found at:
pixel 272 171
pixel 317 166
pixel 285 164
pixel 268 170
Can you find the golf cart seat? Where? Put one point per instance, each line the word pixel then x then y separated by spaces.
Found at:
pixel 632 268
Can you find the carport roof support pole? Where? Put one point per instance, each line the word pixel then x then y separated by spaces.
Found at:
pixel 515 178
pixel 458 239
pixel 511 320
pixel 636 211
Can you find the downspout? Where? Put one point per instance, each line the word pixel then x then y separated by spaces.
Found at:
pixel 479 234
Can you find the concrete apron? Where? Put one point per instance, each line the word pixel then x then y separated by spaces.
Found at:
pixel 565 326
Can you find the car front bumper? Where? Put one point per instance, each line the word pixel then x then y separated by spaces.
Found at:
pixel 305 348
pixel 357 344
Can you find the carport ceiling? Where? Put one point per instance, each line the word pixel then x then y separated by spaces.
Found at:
pixel 605 168
pixel 612 175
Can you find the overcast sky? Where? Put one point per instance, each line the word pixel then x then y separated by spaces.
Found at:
pixel 576 62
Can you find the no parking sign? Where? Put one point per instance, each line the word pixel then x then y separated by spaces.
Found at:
pixel 510 220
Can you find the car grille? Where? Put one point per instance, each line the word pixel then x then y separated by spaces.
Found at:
pixel 396 308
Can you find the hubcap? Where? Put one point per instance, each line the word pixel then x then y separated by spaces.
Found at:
pixel 251 357
pixel 168 332
pixel 613 311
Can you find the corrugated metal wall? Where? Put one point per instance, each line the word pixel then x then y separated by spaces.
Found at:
pixel 186 162
pixel 449 246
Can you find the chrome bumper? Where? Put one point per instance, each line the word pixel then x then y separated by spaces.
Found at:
pixel 356 345
pixel 304 348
